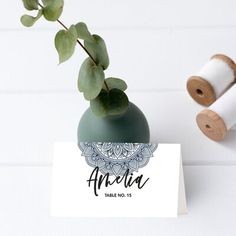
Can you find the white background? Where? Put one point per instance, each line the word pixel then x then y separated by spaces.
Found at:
pixel 155 45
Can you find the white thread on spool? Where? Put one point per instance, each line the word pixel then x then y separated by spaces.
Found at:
pixel 216 76
pixel 220 117
pixel 225 107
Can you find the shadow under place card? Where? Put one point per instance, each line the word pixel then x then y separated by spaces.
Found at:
pixel 117 180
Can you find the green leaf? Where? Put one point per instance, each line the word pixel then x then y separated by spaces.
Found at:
pixel 28 20
pixel 90 80
pixel 52 9
pixel 97 48
pixel 65 41
pixel 30 4
pixel 82 32
pixel 99 105
pixel 112 102
pixel 115 83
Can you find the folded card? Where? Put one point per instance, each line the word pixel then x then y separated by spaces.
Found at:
pixel 117 180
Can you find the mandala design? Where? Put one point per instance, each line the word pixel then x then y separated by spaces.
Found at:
pixel 116 158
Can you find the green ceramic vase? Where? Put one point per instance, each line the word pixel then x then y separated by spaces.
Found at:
pixel 130 127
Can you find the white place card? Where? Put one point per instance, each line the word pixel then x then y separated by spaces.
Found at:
pixel 117 180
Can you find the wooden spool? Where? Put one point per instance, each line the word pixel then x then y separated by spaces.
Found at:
pixel 201 90
pixel 211 124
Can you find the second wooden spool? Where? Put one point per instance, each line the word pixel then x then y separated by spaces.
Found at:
pixel 220 117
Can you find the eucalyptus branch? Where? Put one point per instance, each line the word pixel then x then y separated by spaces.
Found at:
pixel 66 28
pixel 91 57
pixel 106 95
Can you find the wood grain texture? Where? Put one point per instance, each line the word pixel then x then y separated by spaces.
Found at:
pixel 211 124
pixel 25 202
pixel 201 90
pixel 30 123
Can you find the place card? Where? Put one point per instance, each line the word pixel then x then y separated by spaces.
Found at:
pixel 117 180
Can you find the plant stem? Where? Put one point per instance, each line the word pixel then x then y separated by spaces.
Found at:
pixel 106 85
pixel 66 28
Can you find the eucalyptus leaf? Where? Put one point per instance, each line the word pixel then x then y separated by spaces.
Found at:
pixel 115 83
pixel 97 48
pixel 83 32
pixel 28 20
pixel 90 80
pixel 65 41
pixel 52 9
pixel 99 105
pixel 112 102
pixel 30 4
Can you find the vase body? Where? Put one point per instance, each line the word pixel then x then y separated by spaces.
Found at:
pixel 130 127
